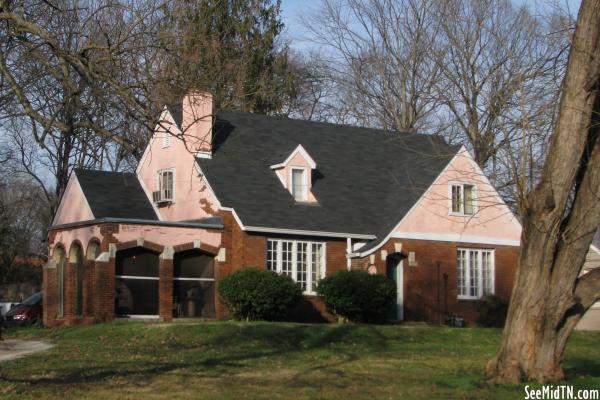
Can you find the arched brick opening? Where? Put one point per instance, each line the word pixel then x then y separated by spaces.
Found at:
pixel 59 260
pixel 394 269
pixel 141 243
pixel 194 291
pixel 74 279
pixel 137 280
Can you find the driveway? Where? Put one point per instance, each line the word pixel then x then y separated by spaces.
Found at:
pixel 11 349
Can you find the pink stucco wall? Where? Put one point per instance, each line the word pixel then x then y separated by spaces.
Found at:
pixel 73 206
pixel 168 236
pixel 193 198
pixel 162 235
pixel 493 218
pixel 83 234
pixel 197 121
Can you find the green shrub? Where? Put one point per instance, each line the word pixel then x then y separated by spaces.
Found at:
pixel 256 294
pixel 358 295
pixel 492 312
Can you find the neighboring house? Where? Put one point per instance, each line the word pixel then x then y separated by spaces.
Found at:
pixel 591 319
pixel 301 198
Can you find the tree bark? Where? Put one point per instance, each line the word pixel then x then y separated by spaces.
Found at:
pixel 561 216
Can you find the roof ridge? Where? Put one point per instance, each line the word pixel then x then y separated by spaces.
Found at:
pixel 331 124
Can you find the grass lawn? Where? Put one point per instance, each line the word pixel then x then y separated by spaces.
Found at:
pixel 227 360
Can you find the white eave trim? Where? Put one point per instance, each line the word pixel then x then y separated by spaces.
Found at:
pixel 311 163
pixel 295 231
pixel 307 233
pixel 456 237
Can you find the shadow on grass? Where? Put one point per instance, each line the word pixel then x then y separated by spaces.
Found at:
pixel 240 344
pixel 582 367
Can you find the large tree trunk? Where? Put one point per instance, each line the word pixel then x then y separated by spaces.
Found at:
pixel 560 218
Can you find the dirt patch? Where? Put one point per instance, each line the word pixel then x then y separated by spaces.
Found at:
pixel 11 349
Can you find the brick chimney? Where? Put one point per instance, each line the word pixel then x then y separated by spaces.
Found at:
pixel 197 120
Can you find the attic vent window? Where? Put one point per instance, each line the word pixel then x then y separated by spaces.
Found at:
pixel 299 184
pixel 166 140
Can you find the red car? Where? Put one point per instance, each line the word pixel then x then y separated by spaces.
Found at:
pixel 25 313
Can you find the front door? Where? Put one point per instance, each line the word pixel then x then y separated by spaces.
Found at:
pixel 395 271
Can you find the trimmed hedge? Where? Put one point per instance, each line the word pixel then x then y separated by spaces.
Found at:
pixel 256 294
pixel 358 295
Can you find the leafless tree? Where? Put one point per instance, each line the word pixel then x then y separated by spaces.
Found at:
pixel 485 74
pixel 74 78
pixel 311 90
pixel 500 69
pixel 377 54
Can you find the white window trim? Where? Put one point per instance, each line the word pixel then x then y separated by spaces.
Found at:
pixel 310 288
pixel 158 175
pixel 304 180
pixel 480 275
pixel 462 194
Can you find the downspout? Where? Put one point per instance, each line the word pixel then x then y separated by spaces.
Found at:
pixel 348 253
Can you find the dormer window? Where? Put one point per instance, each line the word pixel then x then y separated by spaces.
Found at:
pixel 295 174
pixel 463 201
pixel 299 184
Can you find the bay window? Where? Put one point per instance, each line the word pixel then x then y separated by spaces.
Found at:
pixel 475 273
pixel 303 261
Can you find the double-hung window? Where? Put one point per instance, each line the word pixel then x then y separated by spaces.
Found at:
pixel 299 184
pixel 165 183
pixel 303 261
pixel 475 273
pixel 462 199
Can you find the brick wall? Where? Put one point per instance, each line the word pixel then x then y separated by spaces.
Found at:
pixel 165 289
pixel 430 288
pixel 245 249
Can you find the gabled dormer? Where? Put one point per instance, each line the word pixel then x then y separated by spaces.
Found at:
pixel 295 174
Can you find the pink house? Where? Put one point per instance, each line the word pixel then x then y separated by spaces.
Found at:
pixel 214 193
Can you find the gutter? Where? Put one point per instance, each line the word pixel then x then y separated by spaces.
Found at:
pixel 307 233
pixel 133 221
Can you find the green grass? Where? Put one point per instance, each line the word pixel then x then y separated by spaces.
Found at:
pixel 127 360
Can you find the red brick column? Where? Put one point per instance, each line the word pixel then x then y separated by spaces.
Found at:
pixel 70 292
pixel 50 288
pixel 165 285
pixel 104 286
pixel 88 288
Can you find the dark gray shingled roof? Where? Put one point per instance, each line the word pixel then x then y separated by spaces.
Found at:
pixel 115 195
pixel 365 182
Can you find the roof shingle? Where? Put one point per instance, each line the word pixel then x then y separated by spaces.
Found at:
pixel 366 179
pixel 115 195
